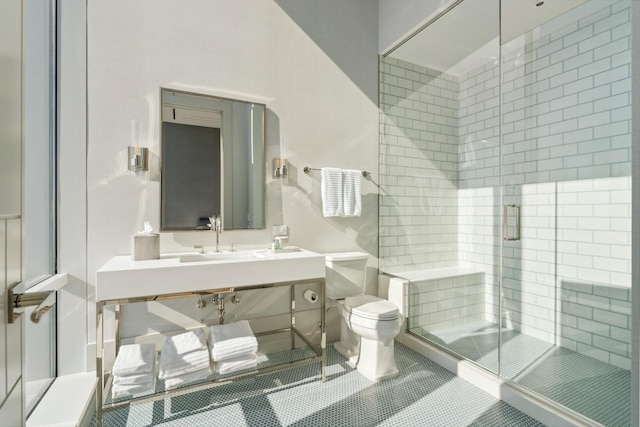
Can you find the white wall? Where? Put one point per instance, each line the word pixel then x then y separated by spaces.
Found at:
pixel 314 66
pixel 418 168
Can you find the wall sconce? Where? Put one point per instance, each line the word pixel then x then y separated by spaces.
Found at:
pixel 279 168
pixel 138 159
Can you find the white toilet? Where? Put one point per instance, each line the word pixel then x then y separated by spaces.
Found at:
pixel 369 324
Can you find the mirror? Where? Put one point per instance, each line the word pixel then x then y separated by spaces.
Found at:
pixel 212 162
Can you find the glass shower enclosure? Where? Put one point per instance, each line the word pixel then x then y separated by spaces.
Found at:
pixel 506 193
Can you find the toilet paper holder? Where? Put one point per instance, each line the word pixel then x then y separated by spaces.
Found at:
pixel 311 296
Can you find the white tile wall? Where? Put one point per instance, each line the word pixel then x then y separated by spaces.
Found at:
pixel 446 302
pixel 419 161
pixel 566 159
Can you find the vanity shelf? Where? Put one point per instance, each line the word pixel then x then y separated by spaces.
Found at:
pixel 122 281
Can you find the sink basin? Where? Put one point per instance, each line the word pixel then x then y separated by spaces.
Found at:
pixel 218 256
pixel 122 277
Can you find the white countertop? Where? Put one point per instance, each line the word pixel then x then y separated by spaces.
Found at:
pixel 122 278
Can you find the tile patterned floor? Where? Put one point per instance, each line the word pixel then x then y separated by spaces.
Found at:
pixel 424 394
pixel 593 388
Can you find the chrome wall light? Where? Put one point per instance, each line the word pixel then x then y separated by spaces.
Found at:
pixel 279 168
pixel 138 158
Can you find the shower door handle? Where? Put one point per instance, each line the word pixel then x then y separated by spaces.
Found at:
pixel 511 211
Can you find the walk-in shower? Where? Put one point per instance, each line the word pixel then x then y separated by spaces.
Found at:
pixel 506 193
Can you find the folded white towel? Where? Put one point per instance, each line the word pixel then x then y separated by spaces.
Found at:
pixel 134 359
pixel 249 361
pixel 181 355
pixel 187 341
pixel 120 390
pixel 332 192
pixel 232 340
pixel 184 364
pixel 133 379
pixel 189 362
pixel 352 194
pixel 174 382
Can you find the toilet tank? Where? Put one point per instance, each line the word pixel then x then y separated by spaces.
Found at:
pixel 345 273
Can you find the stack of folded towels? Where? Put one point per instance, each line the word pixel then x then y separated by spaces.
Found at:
pixel 133 370
pixel 184 358
pixel 233 347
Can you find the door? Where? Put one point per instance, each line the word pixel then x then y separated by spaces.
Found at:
pixel 11 345
pixel 27 203
pixel 566 134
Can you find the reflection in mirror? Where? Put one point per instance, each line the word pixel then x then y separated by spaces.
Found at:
pixel 212 162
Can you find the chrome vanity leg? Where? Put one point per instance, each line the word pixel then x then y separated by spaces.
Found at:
pixel 117 316
pixel 323 331
pixel 99 367
pixel 293 317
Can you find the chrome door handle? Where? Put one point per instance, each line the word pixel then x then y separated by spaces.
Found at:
pixel 43 300
pixel 505 222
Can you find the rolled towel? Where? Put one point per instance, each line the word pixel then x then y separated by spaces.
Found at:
pixel 249 361
pixel 332 192
pixel 232 340
pixel 184 353
pixel 135 379
pixel 122 390
pixel 134 359
pixel 352 193
pixel 174 382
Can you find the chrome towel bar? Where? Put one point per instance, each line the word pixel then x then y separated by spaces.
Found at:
pixel 308 169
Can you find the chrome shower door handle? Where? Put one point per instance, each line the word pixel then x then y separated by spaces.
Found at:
pixel 511 211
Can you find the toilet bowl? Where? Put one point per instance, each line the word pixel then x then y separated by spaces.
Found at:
pixel 376 322
pixel 368 323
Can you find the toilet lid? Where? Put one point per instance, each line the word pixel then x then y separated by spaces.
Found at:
pixel 371 307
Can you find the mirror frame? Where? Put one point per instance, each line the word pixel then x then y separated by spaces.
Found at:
pixel 222 178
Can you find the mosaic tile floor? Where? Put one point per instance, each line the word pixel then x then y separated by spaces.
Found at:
pixel 424 394
pixel 593 388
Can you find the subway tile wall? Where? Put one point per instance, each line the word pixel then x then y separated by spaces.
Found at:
pixel 444 303
pixel 566 160
pixel 418 167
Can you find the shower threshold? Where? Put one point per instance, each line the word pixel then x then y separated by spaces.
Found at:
pixel 590 387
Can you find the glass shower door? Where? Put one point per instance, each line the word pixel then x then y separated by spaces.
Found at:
pixel 566 165
pixel 440 175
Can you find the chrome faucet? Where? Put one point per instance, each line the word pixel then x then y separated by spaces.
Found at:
pixel 215 223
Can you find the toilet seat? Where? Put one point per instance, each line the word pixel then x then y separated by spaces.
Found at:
pixel 371 308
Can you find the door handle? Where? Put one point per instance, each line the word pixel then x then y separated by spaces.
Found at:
pixel 43 300
pixel 505 222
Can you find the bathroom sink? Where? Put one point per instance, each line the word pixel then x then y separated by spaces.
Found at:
pixel 122 277
pixel 218 256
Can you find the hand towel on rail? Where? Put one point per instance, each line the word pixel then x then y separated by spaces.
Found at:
pixel 232 340
pixel 248 361
pixel 332 192
pixel 351 187
pixel 134 359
